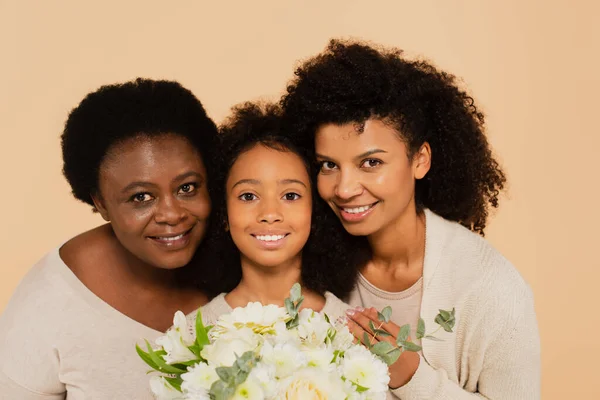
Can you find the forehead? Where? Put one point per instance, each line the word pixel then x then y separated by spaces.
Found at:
pixel 345 138
pixel 264 163
pixel 145 155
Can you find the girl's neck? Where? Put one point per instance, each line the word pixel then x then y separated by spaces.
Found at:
pixel 269 285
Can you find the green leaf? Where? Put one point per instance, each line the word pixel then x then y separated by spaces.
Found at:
pixel 372 326
pixel 289 307
pixel 219 390
pixel 161 364
pixel 295 292
pixel 382 333
pixel 386 313
pixel 359 388
pixel 201 332
pixel 326 318
pixel 175 382
pixel 226 374
pixel 410 346
pixel 403 334
pixel 146 357
pixel 431 337
pixel 300 301
pixel 420 328
pixel 386 351
pixel 446 319
pixel 366 340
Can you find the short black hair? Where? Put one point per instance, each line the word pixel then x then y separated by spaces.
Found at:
pixel 326 263
pixel 354 81
pixel 118 112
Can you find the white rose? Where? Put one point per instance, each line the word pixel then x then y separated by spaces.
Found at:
pixel 312 327
pixel 163 390
pixel 314 385
pixel 223 351
pixel 176 341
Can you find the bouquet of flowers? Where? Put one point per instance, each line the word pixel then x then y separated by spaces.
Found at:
pixel 264 352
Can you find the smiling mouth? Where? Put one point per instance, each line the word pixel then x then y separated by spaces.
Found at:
pixel 270 238
pixel 357 210
pixel 171 238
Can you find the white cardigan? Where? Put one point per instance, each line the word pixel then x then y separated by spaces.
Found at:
pixel 494 349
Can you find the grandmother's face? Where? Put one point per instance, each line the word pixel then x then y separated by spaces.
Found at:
pixel 153 191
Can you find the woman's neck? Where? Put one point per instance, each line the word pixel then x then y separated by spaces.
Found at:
pixel 268 285
pixel 401 244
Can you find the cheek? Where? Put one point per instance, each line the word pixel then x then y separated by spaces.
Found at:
pixel 302 218
pixel 201 206
pixel 325 186
pixel 132 220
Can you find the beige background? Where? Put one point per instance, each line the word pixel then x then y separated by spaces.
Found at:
pixel 532 66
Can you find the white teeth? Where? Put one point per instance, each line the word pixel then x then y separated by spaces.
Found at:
pixel 172 238
pixel 356 210
pixel 270 238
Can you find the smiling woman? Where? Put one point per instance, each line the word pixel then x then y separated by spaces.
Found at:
pixel 135 153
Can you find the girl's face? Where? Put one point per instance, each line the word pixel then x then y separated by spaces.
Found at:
pixel 153 192
pixel 269 206
pixel 367 177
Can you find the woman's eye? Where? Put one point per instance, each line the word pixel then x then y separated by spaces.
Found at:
pixel 247 197
pixel 371 163
pixel 291 196
pixel 141 197
pixel 187 188
pixel 327 165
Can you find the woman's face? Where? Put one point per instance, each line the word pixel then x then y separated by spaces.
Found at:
pixel 153 191
pixel 269 206
pixel 367 177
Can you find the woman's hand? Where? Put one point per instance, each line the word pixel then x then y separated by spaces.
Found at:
pixel 359 321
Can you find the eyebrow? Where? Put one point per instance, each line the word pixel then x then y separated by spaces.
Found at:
pixel 257 182
pixel 363 155
pixel 179 177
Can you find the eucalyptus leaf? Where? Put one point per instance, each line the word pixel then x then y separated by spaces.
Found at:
pixel 226 374
pixel 403 334
pixel 386 351
pixel 410 346
pixel 387 314
pixel 372 326
pixel 382 333
pixel 289 307
pixel 295 292
pixel 420 328
pixel 366 340
pixel 431 337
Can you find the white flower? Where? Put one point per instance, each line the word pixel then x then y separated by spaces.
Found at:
pixel 361 367
pixel 312 327
pixel 176 341
pixel 285 357
pixel 198 380
pixel 320 358
pixel 223 351
pixel 264 375
pixel 312 384
pixel 261 319
pixel 343 339
pixel 248 390
pixel 163 390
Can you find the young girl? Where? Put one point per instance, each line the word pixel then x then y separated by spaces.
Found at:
pixel 406 166
pixel 270 234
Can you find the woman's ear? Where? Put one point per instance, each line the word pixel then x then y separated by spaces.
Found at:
pixel 100 207
pixel 422 161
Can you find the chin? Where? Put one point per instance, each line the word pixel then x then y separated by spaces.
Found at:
pixel 359 229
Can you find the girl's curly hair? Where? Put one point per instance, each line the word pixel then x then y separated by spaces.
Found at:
pixel 327 265
pixel 353 82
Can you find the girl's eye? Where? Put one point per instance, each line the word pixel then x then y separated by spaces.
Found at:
pixel 327 166
pixel 141 197
pixel 291 196
pixel 371 163
pixel 247 197
pixel 187 188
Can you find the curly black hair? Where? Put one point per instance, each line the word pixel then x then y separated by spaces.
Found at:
pixel 115 113
pixel 354 81
pixel 327 265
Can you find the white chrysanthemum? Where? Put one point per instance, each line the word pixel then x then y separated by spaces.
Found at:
pixel 363 368
pixel 176 341
pixel 313 384
pixel 248 390
pixel 286 358
pixel 261 319
pixel 223 351
pixel 320 358
pixel 163 390
pixel 198 380
pixel 343 339
pixel 312 328
pixel 264 375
